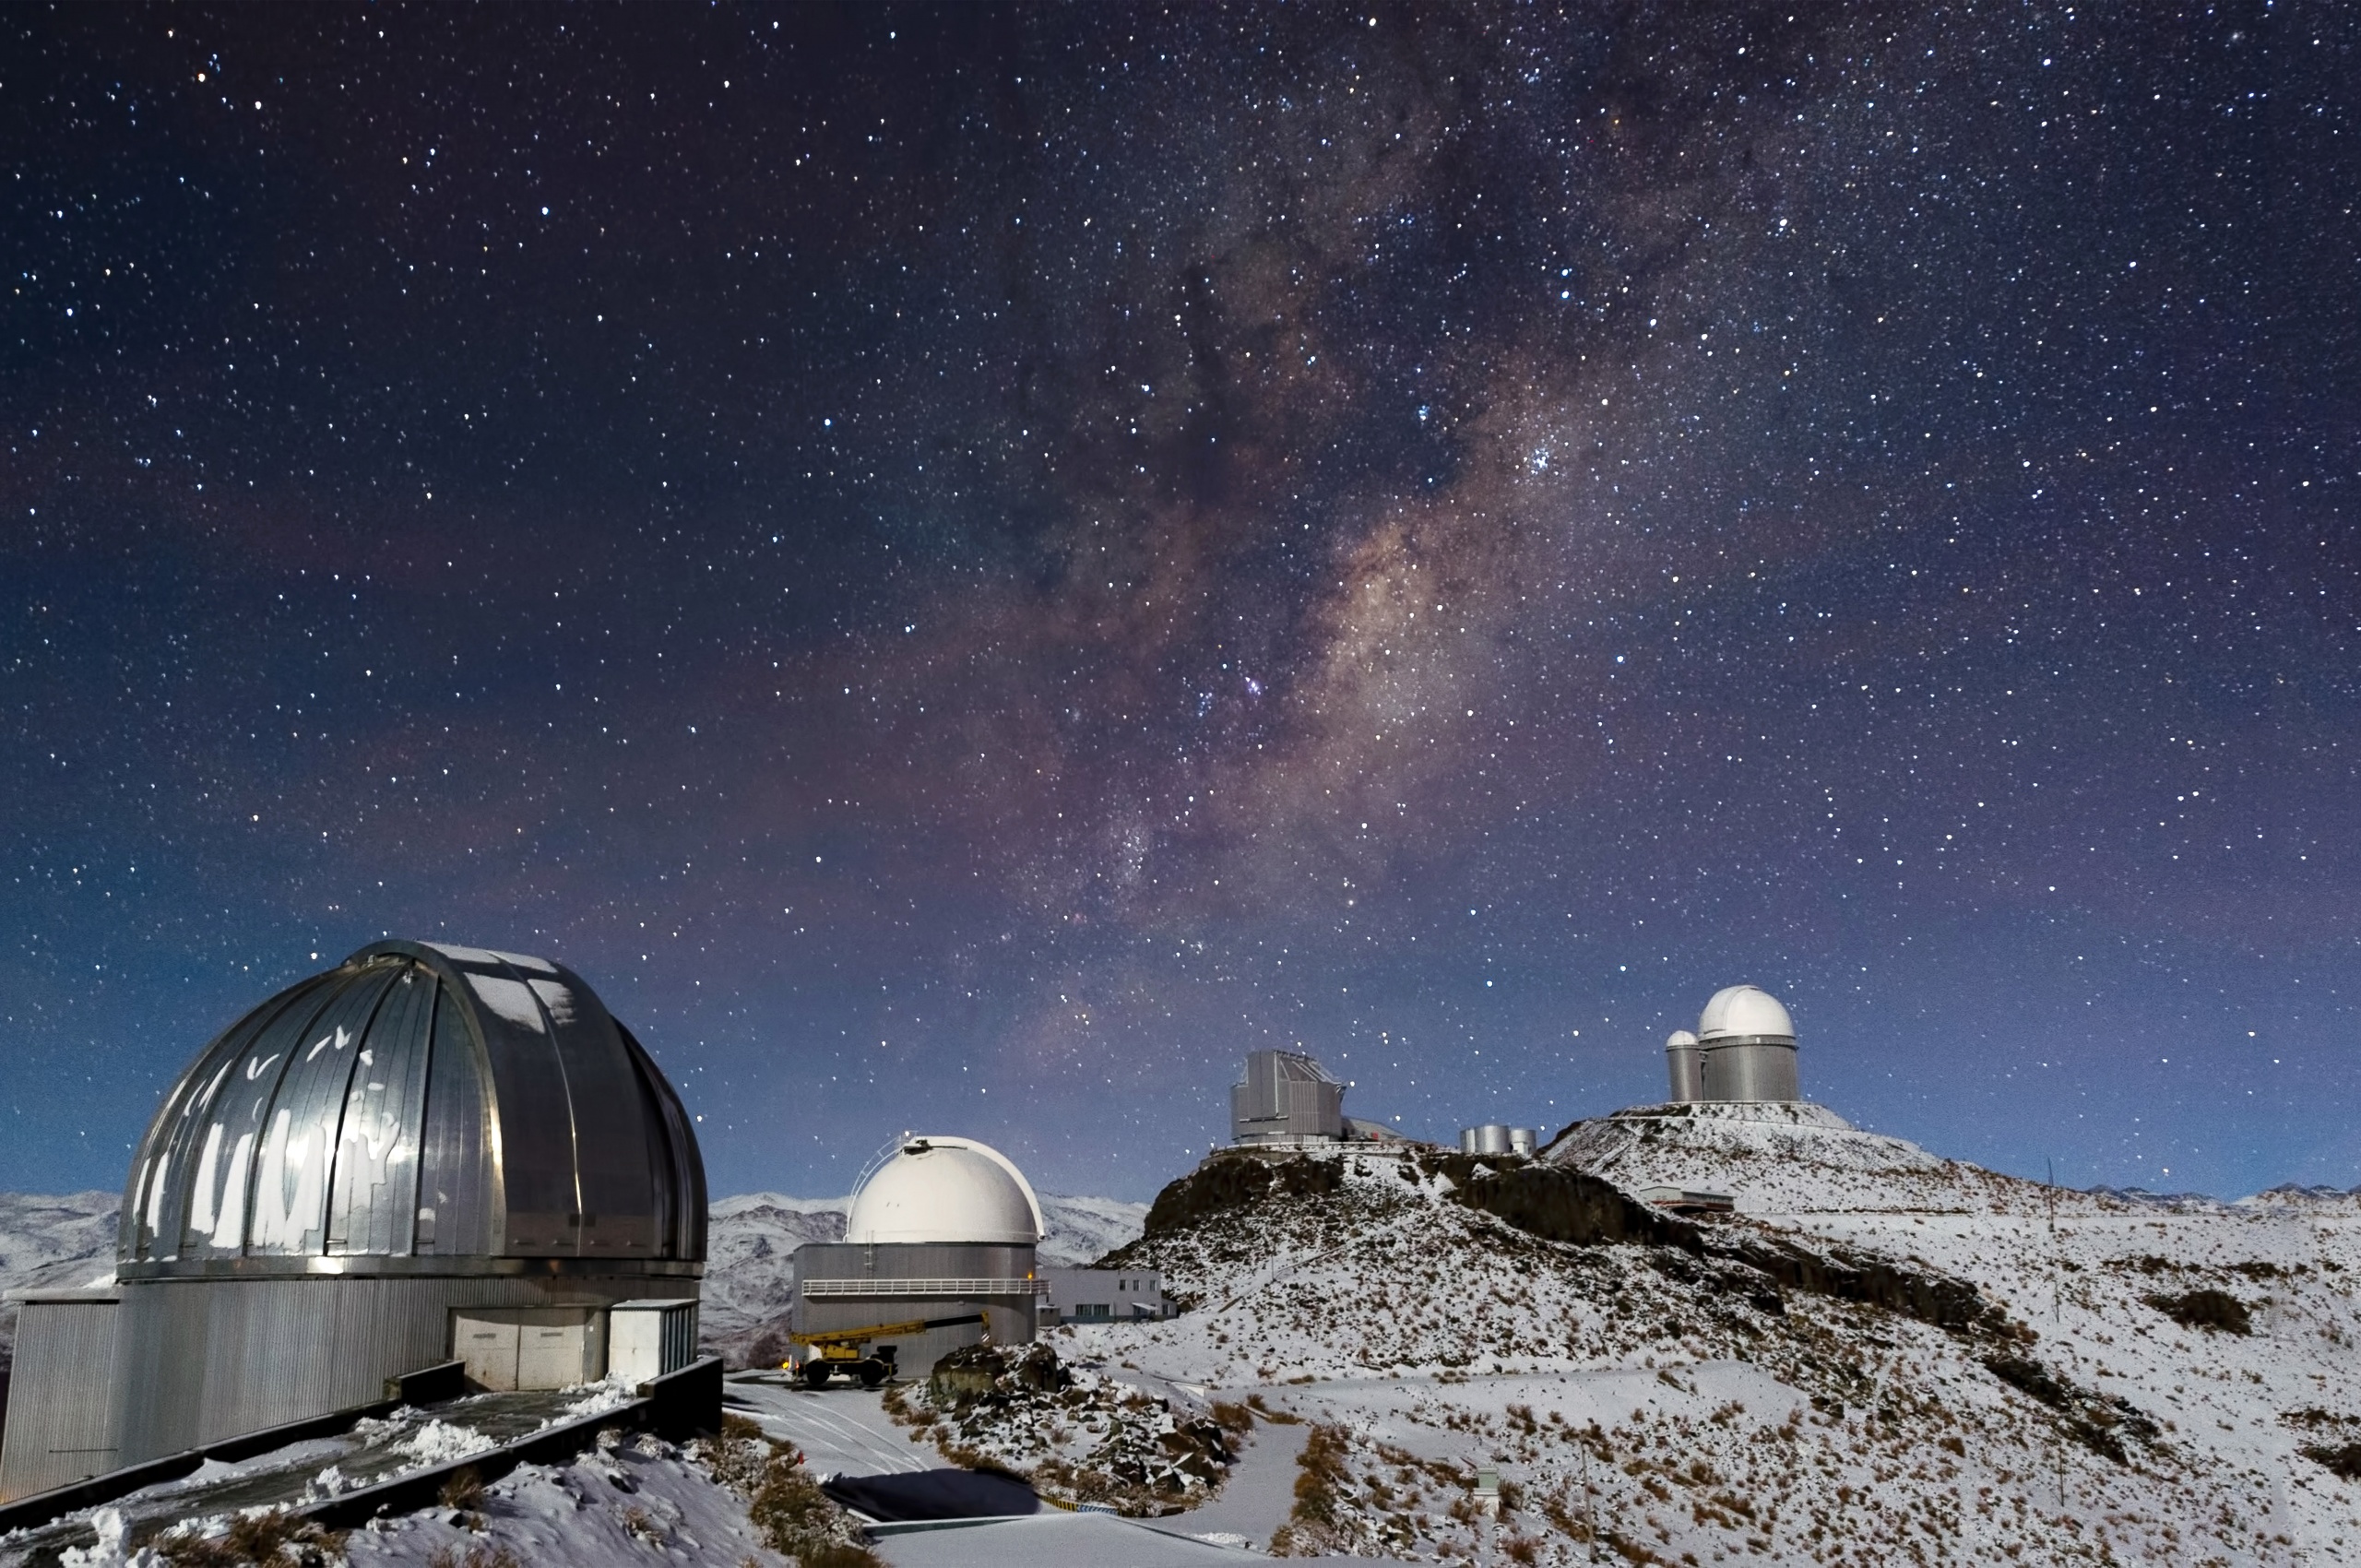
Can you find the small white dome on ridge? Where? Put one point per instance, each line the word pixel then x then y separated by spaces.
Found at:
pixel 953 1190
pixel 1679 1039
pixel 1744 1012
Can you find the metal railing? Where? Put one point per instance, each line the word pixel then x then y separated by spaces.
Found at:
pixel 974 1287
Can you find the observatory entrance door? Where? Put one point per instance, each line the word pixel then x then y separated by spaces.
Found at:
pixel 519 1347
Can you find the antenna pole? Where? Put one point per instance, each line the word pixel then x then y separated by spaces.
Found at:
pixel 2056 1258
pixel 1590 1502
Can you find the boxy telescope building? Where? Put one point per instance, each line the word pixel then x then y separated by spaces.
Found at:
pixel 428 1153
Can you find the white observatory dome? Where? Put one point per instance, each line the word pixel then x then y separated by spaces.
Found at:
pixel 1744 1012
pixel 953 1190
pixel 1679 1039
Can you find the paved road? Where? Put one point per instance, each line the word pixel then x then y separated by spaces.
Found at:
pixel 1259 1494
pixel 841 1432
pixel 1053 1540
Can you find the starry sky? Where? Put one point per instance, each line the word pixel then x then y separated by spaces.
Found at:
pixel 967 567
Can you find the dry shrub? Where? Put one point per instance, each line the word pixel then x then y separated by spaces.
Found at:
pixel 740 1456
pixel 1312 1528
pixel 482 1554
pixel 1233 1418
pixel 799 1520
pixel 264 1535
pixel 2204 1309
pixel 2342 1459
pixel 463 1491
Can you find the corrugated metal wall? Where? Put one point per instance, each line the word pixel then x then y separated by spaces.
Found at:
pixel 1286 1096
pixel 1686 1064
pixel 647 1339
pixel 205 1359
pixel 1755 1071
pixel 61 1393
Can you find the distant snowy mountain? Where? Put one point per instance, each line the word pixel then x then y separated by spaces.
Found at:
pixel 1085 1230
pixel 749 1242
pixel 48 1241
pixel 2303 1200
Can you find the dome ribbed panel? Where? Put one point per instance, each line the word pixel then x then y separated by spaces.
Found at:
pixel 155 1209
pixel 681 1180
pixel 292 1114
pixel 459 1202
pixel 418 1103
pixel 373 1204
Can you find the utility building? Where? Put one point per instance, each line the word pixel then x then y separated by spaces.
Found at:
pixel 1103 1295
pixel 426 1154
pixel 1744 1049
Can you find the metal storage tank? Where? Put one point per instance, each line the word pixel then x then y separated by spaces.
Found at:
pixel 1286 1098
pixel 1489 1138
pixel 1749 1045
pixel 942 1228
pixel 1686 1066
pixel 1494 1138
pixel 428 1152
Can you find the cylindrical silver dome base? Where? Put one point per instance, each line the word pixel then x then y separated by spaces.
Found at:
pixel 1751 1070
pixel 200 1360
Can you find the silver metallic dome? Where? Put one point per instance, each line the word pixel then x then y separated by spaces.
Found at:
pixel 415 1106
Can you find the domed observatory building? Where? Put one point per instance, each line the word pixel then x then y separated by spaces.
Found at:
pixel 426 1154
pixel 1744 1051
pixel 942 1228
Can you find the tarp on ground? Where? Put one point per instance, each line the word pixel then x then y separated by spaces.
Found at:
pixel 933 1494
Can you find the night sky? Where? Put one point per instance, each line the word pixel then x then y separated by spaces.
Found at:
pixel 967 567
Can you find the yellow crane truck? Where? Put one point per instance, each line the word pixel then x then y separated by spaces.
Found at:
pixel 849 1350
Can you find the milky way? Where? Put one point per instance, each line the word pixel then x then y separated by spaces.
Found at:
pixel 967 567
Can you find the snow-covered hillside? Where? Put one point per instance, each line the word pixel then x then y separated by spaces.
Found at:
pixel 2143 1383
